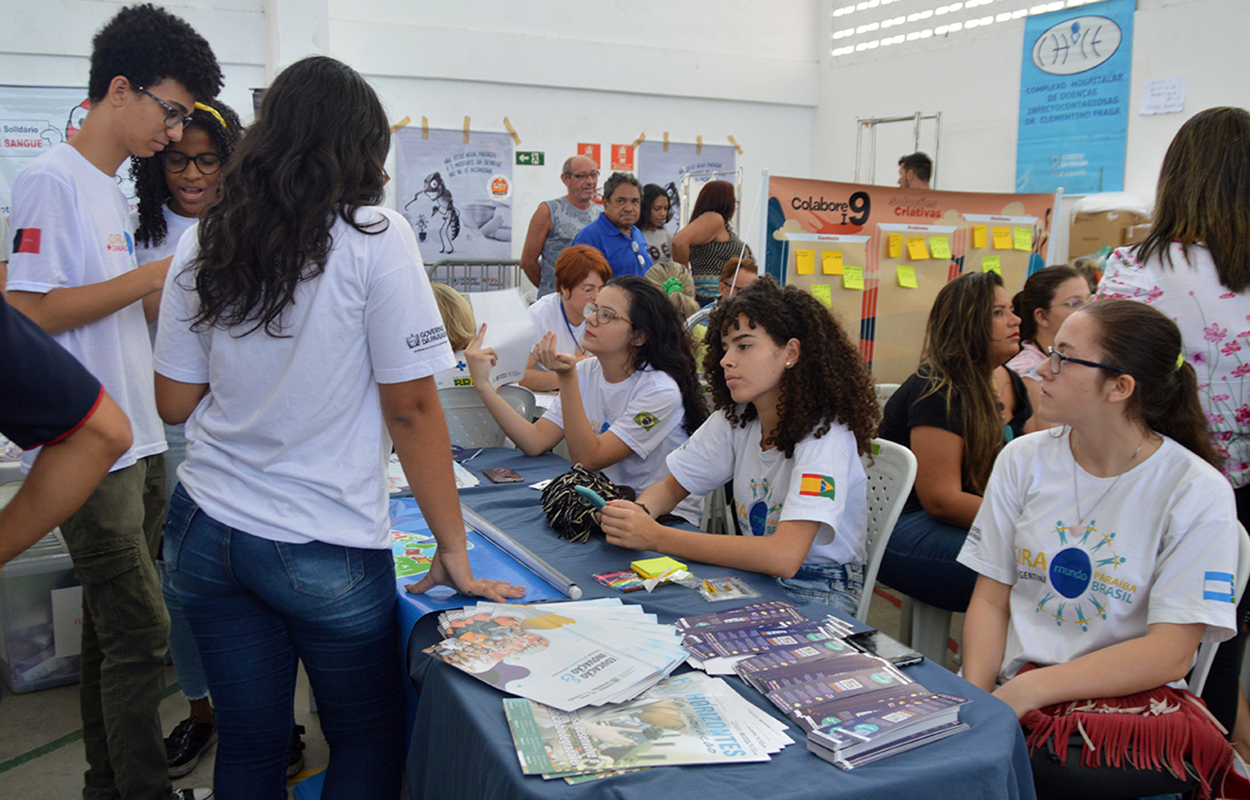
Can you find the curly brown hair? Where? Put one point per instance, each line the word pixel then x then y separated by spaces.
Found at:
pixel 829 383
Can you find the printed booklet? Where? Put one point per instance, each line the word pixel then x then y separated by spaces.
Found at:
pixel 689 719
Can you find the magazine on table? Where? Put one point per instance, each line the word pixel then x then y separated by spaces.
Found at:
pixel 887 731
pixel 842 685
pixel 772 613
pixel 691 719
pixel 565 655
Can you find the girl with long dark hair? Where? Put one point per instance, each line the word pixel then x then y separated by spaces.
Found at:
pixel 1104 548
pixel 655 216
pixel 795 409
pixel 1049 296
pixel 300 337
pixel 1194 266
pixel 709 240
pixel 623 411
pixel 954 414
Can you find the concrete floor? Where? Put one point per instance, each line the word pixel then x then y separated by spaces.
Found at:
pixel 41 751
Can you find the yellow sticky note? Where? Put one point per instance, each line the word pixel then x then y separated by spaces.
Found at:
pixel 907 276
pixel 941 247
pixel 1023 239
pixel 978 236
pixel 990 264
pixel 1002 238
pixel 852 277
pixel 896 245
pixel 916 248
pixel 831 262
pixel 822 293
pixel 805 260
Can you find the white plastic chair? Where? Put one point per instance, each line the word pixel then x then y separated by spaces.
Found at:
pixel 1206 651
pixel 891 470
pixel 884 392
pixel 468 421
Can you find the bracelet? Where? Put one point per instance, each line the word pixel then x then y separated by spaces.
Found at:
pixel 643 507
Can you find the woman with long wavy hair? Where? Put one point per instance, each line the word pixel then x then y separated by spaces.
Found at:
pixel 1194 266
pixel 795 410
pixel 954 413
pixel 299 337
pixel 623 411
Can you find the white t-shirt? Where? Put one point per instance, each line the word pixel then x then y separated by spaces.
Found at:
pixel 646 413
pixel 175 226
pixel 290 444
pixel 1160 545
pixel 548 315
pixel 76 231
pixel 824 482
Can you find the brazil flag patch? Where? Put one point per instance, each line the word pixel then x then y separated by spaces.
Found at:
pixel 647 420
pixel 813 485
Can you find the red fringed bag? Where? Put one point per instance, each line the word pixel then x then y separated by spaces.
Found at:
pixel 1163 728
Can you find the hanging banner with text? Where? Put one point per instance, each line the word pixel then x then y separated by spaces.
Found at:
pixel 33 120
pixel 665 165
pixel 457 196
pixel 1074 90
pixel 878 255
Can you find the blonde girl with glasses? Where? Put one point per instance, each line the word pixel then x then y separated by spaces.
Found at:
pixel 623 411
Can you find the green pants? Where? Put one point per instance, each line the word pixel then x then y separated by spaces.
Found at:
pixel 114 540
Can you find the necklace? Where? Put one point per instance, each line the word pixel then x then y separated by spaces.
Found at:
pixel 1077 494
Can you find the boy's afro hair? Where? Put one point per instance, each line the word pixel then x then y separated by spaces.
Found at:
pixel 147 45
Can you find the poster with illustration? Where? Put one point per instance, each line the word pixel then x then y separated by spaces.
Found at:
pixel 666 164
pixel 456 195
pixel 33 120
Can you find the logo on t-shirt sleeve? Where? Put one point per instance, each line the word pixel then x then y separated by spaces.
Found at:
pixel 26 240
pixel 1218 586
pixel 813 485
pixel 647 420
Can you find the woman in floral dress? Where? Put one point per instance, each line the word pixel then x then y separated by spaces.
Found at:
pixel 1194 266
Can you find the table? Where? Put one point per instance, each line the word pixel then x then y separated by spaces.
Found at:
pixel 461 747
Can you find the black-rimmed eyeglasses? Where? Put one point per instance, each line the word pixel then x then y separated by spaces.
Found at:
pixel 173 117
pixel 206 163
pixel 1057 359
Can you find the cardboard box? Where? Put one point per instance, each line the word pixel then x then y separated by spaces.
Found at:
pixel 1092 232
pixel 1135 233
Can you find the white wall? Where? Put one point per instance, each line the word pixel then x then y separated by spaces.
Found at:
pixel 563 71
pixel 973 78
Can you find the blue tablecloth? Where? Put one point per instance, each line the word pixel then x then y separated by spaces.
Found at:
pixel 461 747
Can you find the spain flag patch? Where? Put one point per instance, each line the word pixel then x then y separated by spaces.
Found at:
pixel 813 485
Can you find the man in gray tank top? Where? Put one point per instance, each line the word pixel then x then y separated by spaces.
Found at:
pixel 557 221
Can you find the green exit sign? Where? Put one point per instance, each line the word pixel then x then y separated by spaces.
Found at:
pixel 532 158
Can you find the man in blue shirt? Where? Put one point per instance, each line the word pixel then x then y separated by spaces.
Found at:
pixel 613 233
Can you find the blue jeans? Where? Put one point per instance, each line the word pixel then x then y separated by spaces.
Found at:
pixel 920 562
pixel 255 606
pixel 182 647
pixel 837 585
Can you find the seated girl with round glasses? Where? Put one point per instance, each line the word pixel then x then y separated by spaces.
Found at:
pixel 1104 548
pixel 622 412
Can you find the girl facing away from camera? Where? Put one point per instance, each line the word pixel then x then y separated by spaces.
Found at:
pixel 795 410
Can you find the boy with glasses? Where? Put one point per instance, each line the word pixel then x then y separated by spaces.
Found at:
pixel 73 272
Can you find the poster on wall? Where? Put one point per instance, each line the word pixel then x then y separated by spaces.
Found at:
pixel 665 165
pixel 456 196
pixel 878 255
pixel 33 120
pixel 1074 90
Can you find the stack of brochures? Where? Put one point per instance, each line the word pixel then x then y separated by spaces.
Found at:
pixel 564 655
pixel 688 719
pixel 856 707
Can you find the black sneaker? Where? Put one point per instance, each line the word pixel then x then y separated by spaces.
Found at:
pixel 192 794
pixel 187 743
pixel 295 762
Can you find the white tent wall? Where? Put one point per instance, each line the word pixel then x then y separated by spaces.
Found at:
pixel 973 79
pixel 563 71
